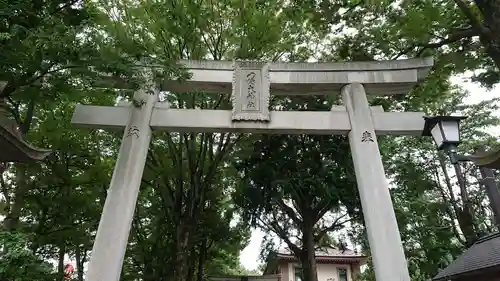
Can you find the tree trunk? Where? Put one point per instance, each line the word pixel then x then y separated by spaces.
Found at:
pixel 79 263
pixel 22 187
pixel 181 244
pixel 466 216
pixel 60 263
pixel 201 259
pixel 191 265
pixel 308 257
pixel 463 217
pixel 491 41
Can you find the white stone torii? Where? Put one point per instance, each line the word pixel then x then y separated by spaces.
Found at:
pixel 251 84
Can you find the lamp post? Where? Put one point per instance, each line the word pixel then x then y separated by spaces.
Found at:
pixel 445 130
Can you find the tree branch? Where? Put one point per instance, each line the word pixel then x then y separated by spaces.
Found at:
pixel 289 211
pixel 334 226
pixel 452 38
pixel 281 233
pixel 322 208
pixel 470 15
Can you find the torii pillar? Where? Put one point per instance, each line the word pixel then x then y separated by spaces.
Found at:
pixel 250 84
pixel 383 234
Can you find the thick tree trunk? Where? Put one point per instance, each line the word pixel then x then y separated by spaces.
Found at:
pixel 491 41
pixel 308 257
pixel 191 265
pixel 201 259
pixel 182 249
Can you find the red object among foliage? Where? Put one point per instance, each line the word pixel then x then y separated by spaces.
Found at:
pixel 68 270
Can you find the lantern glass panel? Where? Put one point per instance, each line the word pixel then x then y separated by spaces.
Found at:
pixel 451 131
pixel 437 135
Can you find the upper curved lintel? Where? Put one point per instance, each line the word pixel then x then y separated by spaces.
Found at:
pixel 379 77
pixel 417 63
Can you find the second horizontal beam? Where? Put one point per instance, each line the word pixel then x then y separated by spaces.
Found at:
pixel 334 122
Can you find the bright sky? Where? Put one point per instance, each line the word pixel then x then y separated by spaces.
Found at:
pixel 250 255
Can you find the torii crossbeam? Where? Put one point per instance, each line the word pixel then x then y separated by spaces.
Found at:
pixel 251 84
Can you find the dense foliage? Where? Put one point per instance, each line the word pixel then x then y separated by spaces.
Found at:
pixel 202 193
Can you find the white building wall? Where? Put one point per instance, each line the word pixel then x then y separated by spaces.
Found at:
pixel 326 272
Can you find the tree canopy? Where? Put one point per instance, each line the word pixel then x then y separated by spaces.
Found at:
pixel 201 193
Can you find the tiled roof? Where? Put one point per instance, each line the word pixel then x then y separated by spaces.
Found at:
pixel 326 252
pixel 244 278
pixel 327 255
pixel 485 253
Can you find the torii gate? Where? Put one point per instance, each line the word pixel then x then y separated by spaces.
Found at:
pixel 251 84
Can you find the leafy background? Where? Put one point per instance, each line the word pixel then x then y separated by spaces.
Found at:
pixel 211 190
